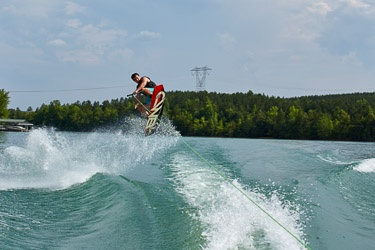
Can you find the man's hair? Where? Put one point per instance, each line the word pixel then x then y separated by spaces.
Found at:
pixel 134 75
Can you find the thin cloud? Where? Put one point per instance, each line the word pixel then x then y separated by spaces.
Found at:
pixel 57 43
pixel 39 9
pixel 320 8
pixel 148 35
pixel 73 8
pixel 347 33
pixel 226 39
pixel 351 59
pixel 121 55
pixel 73 23
pixel 90 44
pixel 78 56
pixel 99 39
pixel 358 4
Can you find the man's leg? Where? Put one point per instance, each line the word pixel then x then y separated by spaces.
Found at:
pixel 146 91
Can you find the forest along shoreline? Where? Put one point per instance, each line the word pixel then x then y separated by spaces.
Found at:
pixel 347 117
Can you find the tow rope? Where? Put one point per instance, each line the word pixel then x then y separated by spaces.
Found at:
pixel 245 195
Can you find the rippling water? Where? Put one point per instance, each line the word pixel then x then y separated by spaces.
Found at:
pixel 121 190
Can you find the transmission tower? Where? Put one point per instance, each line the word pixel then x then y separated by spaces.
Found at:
pixel 200 75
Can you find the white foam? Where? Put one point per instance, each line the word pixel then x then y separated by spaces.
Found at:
pixel 229 219
pixel 366 166
pixel 58 160
pixel 48 160
pixel 334 160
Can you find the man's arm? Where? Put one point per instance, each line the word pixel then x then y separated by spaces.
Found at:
pixel 141 85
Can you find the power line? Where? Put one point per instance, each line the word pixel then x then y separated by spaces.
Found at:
pixel 64 90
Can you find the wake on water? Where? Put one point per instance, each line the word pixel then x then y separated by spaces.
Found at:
pixel 229 219
pixel 55 160
pixel 366 166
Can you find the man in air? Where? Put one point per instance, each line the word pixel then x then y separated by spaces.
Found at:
pixel 146 87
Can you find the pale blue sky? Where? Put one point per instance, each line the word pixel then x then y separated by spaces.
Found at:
pixel 276 47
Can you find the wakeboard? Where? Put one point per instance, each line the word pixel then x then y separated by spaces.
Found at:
pixel 156 109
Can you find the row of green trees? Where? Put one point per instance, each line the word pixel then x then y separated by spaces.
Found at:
pixel 334 117
pixel 249 115
pixel 4 101
pixel 79 116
